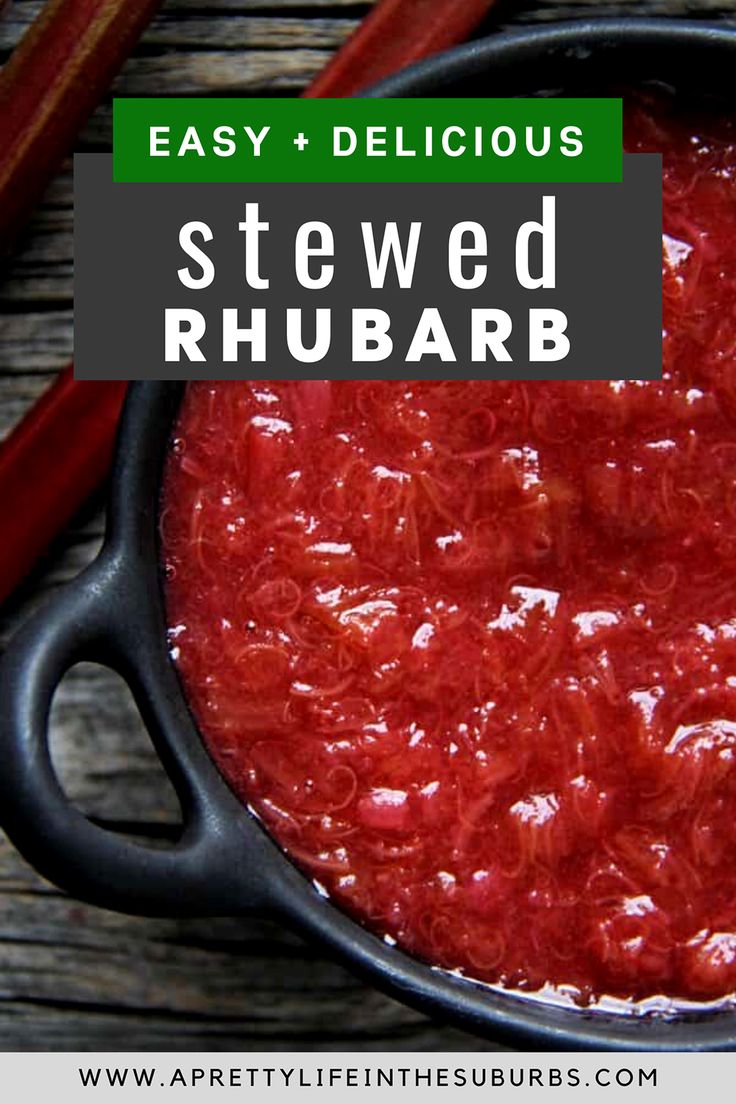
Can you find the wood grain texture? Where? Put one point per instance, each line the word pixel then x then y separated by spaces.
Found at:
pixel 75 977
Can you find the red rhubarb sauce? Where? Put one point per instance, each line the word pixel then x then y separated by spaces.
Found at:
pixel 469 648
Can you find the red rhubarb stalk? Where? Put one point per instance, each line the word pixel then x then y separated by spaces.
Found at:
pixel 51 85
pixel 50 464
pixel 395 34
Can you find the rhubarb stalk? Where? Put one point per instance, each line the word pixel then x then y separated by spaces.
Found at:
pixel 52 83
pixel 395 34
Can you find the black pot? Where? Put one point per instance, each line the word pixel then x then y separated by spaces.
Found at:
pixel 225 863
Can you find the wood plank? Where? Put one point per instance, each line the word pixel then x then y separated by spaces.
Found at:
pixel 209 73
pixel 246 32
pixel 33 342
pixel 228 23
pixel 227 32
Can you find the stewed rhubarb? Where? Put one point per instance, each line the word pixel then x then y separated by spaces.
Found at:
pixel 469 648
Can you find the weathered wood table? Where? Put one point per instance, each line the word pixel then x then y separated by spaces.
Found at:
pixel 78 978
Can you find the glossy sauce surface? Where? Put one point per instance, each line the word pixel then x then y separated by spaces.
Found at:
pixel 469 648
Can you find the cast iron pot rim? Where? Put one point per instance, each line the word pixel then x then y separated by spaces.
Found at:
pixel 225 862
pixel 513 47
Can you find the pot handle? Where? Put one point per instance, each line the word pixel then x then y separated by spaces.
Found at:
pixel 216 867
